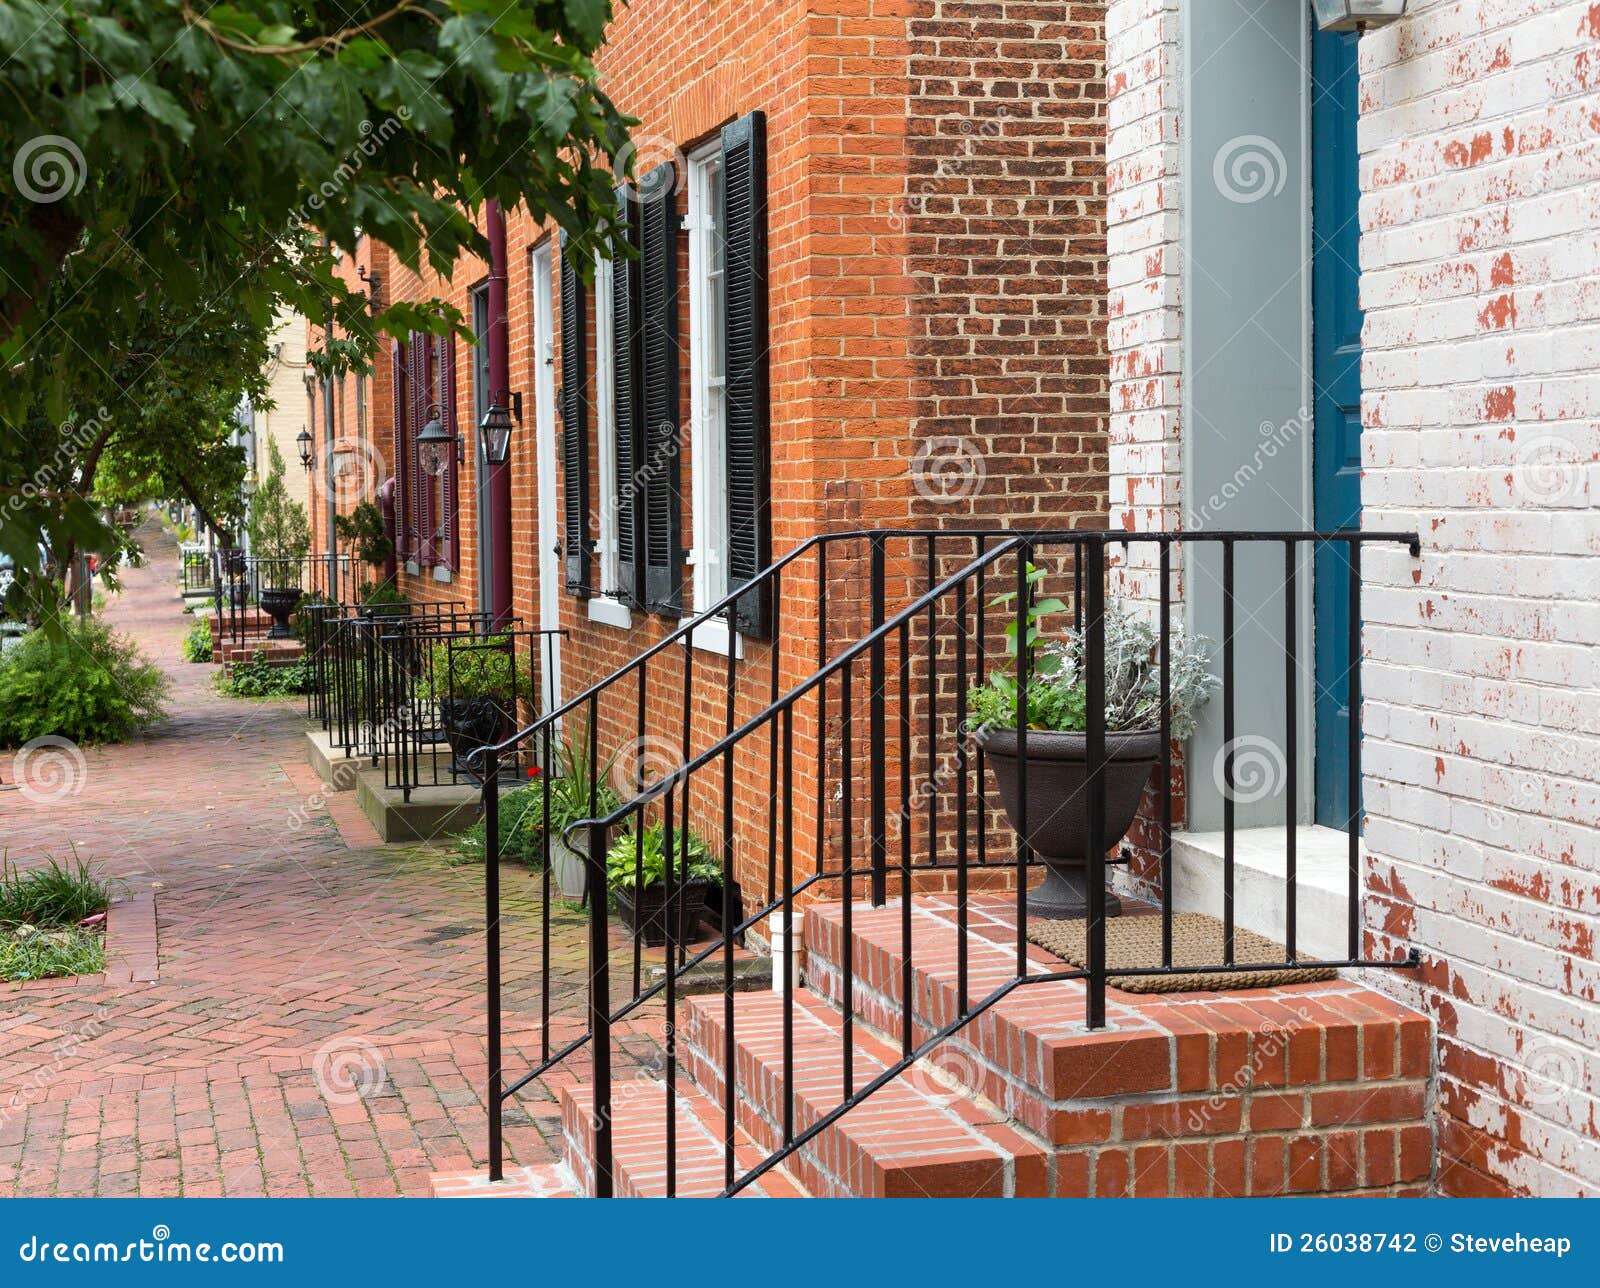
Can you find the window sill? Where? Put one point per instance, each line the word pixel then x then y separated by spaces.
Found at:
pixel 1259 886
pixel 610 612
pixel 715 637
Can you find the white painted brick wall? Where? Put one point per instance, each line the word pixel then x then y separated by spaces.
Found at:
pixel 1481 279
pixel 1480 255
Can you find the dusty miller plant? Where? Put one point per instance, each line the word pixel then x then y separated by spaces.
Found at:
pixel 1057 698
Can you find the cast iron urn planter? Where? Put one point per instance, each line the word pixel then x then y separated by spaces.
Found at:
pixel 470 723
pixel 278 602
pixel 1058 805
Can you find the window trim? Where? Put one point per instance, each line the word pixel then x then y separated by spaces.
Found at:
pixel 708 423
pixel 605 604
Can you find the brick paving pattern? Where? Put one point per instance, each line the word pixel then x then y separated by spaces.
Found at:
pixel 317 1026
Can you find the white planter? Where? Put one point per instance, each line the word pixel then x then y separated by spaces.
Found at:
pixel 567 866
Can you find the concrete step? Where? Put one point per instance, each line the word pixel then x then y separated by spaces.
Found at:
pixel 913 1137
pixel 639 1144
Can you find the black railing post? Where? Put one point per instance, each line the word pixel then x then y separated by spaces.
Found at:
pixel 1024 659
pixel 875 737
pixel 600 1010
pixel 1353 788
pixel 1095 768
pixel 491 895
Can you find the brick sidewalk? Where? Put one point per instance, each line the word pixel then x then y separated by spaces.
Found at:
pixel 317 1027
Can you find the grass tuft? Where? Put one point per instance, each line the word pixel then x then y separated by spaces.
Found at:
pixel 55 895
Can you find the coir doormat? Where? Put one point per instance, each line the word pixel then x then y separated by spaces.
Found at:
pixel 1133 942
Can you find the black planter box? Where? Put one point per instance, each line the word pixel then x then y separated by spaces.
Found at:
pixel 649 920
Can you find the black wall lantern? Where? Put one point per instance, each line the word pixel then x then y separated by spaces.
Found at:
pixel 495 428
pixel 1356 15
pixel 436 446
pixel 307 446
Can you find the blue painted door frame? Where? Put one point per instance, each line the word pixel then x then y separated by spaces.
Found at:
pixel 1336 377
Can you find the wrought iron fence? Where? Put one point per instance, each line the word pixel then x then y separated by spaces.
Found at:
pixel 247 590
pixel 887 795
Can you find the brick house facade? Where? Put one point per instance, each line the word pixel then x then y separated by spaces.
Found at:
pixel 1047 265
pixel 935 286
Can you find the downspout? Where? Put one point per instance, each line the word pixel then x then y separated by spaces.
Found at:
pixel 327 473
pixel 498 546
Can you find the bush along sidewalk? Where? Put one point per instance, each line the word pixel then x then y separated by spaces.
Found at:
pixel 197 643
pixel 259 678
pixel 87 684
pixel 52 921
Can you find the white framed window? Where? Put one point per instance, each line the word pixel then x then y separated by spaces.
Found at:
pixel 708 417
pixel 604 606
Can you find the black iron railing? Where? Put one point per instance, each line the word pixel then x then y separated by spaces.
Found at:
pixel 194 569
pixel 894 779
pixel 238 580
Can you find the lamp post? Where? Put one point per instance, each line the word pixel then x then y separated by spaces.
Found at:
pixel 1356 15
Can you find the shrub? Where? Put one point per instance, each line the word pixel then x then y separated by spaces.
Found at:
pixel 258 678
pixel 197 643
pixel 89 685
pixel 521 824
pixel 300 623
pixel 53 895
pixel 280 533
pixel 375 594
pixel 486 668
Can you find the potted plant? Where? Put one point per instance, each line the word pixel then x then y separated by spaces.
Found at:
pixel 1057 739
pixel 575 794
pixel 636 870
pixel 476 684
pixel 280 538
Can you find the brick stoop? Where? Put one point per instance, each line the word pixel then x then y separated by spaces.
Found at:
pixel 912 1138
pixel 639 1144
pixel 1309 1089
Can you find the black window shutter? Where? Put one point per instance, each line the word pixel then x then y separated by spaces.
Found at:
pixel 629 501
pixel 658 240
pixel 574 430
pixel 743 220
pixel 401 464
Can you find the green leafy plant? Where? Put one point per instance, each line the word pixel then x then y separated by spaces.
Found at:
pixel 54 894
pixel 51 954
pixel 374 594
pixel 1058 698
pixel 641 856
pixel 87 684
pixel 197 643
pixel 521 825
pixel 363 529
pixel 280 533
pixel 259 678
pixel 300 623
pixel 486 668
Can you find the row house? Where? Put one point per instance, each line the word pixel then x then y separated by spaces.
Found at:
pixel 1191 280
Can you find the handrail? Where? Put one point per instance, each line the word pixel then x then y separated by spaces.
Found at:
pixel 836 664
pixel 1089 574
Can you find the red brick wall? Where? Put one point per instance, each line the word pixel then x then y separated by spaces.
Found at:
pixel 896 316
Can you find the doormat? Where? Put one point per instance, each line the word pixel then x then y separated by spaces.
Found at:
pixel 1135 941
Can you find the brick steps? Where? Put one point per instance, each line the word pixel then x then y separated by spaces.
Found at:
pixel 639 1144
pixel 1314 1088
pixel 910 1138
